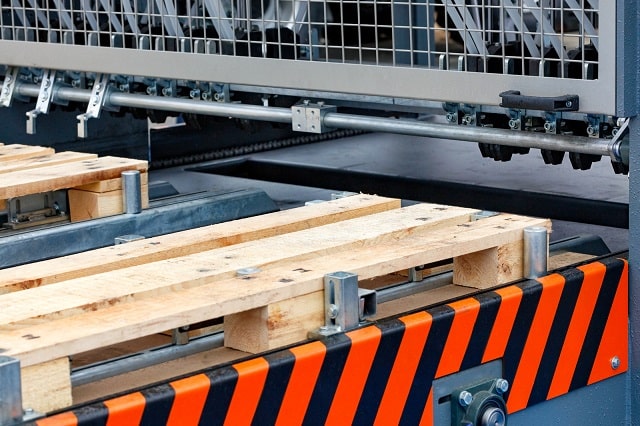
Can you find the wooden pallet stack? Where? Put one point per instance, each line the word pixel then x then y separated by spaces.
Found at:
pixel 55 309
pixel 94 184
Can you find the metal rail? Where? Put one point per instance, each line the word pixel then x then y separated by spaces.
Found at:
pixel 334 120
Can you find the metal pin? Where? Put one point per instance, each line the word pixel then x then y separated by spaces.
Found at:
pixel 132 192
pixel 536 249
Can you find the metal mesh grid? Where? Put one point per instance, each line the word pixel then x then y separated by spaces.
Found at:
pixel 547 38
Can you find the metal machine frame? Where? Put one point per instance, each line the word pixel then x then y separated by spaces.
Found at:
pixel 399 85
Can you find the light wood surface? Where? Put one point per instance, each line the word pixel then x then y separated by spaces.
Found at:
pixel 44 161
pixel 19 152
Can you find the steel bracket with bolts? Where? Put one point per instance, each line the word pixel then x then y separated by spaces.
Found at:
pixel 346 305
pixel 309 117
pixel 45 98
pixel 480 404
pixel 96 104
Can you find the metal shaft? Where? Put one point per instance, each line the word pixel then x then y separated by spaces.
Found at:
pixel 577 144
pixel 132 192
pixel 536 251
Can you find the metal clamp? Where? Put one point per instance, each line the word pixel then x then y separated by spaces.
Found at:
pixel 309 117
pixel 346 305
pixel 11 412
pixel 616 144
pixel 96 103
pixel 45 97
pixel 9 86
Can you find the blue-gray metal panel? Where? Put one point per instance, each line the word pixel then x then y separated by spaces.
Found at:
pixel 204 209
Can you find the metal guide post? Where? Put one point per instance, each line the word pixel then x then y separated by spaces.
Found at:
pixel 536 251
pixel 10 391
pixel 346 305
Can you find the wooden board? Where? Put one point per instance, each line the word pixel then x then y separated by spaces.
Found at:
pixel 19 152
pixel 146 280
pixel 191 241
pixel 179 305
pixel 62 176
pixel 84 205
pixel 44 161
pixel 111 184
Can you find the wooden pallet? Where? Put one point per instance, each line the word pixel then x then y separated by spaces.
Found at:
pixel 94 183
pixel 55 309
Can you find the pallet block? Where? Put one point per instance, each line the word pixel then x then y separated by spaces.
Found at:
pixel 85 205
pixel 274 303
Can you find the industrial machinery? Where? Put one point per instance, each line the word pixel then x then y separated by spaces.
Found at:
pixel 509 76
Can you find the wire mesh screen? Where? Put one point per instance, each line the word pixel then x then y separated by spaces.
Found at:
pixel 547 38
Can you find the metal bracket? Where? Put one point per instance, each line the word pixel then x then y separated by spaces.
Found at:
pixel 10 391
pixel 9 86
pixel 45 96
pixel 97 101
pixel 346 305
pixel 622 128
pixel 309 117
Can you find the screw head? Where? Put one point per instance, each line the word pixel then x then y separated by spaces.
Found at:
pixel 332 311
pixel 502 386
pixel 615 362
pixel 465 398
pixel 569 104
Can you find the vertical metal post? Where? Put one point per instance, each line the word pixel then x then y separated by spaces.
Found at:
pixel 131 192
pixel 536 251
pixel 341 300
pixel 10 391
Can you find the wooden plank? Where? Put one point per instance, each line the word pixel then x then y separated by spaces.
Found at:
pixel 44 161
pixel 488 268
pixel 191 241
pixel 111 184
pixel 62 176
pixel 84 205
pixel 19 152
pixel 119 286
pixel 175 308
pixel 47 387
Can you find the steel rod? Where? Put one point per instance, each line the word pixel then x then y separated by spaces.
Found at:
pixel 577 144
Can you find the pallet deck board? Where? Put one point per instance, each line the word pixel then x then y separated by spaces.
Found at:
pixel 62 176
pixel 191 241
pixel 44 161
pixel 146 280
pixel 177 307
pixel 19 152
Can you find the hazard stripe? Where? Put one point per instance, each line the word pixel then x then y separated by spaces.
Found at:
pixel 536 340
pixel 416 329
pixel 596 328
pixel 280 368
pixel 64 419
pixel 336 356
pixel 252 375
pixel 466 312
pixel 615 339
pixel 191 394
pixel 125 410
pixel 556 339
pixel 364 344
pixel 442 318
pixel 306 368
pixel 511 297
pixel 489 307
pixel 222 388
pixel 383 363
pixel 94 415
pixel 158 402
pixel 531 292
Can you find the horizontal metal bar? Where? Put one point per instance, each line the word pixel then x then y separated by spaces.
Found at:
pixel 578 144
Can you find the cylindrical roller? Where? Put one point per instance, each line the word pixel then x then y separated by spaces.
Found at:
pixel 536 250
pixel 132 192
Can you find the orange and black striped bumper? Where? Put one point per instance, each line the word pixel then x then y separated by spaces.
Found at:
pixel 553 335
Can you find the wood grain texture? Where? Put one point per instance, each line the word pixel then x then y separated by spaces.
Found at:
pixel 44 161
pixel 181 306
pixel 19 152
pixel 84 205
pixel 111 184
pixel 62 176
pixel 192 241
pixel 490 267
pixel 47 387
pixel 142 281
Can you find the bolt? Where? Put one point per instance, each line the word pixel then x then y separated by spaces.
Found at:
pixel 7 78
pixel 549 126
pixel 98 86
pixel 306 102
pixel 451 117
pixel 615 362
pixel 592 130
pixel 468 119
pixel 514 123
pixel 465 398
pixel 502 386
pixel 615 131
pixel 332 311
pixel 569 104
